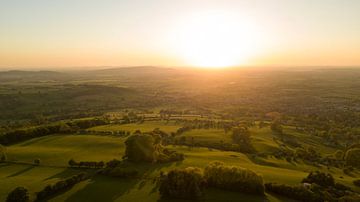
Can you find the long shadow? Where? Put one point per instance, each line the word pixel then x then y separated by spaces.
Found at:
pixel 262 162
pixel 4 165
pixel 104 189
pixel 22 171
pixel 67 172
pixel 36 140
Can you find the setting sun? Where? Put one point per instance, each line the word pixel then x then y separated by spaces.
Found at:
pixel 216 40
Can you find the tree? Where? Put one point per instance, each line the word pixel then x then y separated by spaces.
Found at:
pixel 140 147
pixel 320 178
pixel 276 127
pixel 3 156
pixel 241 136
pixel 233 178
pixel 183 184
pixel 19 194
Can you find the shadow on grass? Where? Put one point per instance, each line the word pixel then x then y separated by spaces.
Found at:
pixel 106 188
pixel 260 161
pixel 216 195
pixel 103 188
pixel 22 171
pixel 4 165
pixel 43 139
pixel 67 172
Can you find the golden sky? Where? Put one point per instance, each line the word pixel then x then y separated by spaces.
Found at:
pixel 67 33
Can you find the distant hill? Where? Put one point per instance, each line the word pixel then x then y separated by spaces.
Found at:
pixel 31 75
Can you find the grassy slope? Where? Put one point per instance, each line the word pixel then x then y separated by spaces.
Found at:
pixel 59 149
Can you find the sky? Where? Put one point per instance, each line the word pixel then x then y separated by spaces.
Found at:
pixel 88 33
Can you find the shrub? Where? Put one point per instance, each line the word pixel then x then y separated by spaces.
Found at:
pixel 233 178
pixel 182 184
pixel 320 178
pixel 19 194
pixel 294 192
pixel 86 164
pixel 352 157
pixel 37 162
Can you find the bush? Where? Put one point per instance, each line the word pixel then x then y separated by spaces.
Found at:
pixel 37 162
pixel 352 157
pixel 86 164
pixel 19 194
pixel 233 178
pixel 294 192
pixel 320 178
pixel 182 184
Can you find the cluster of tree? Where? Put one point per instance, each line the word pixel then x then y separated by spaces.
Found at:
pixel 26 134
pixel 300 193
pixel 209 124
pixel 352 157
pixel 284 152
pixel 148 148
pixel 86 164
pixel 309 154
pixel 19 194
pixel 60 186
pixel 320 178
pixel 241 136
pixel 233 178
pixel 185 183
pixel 87 123
pixel 122 133
pixel 190 183
pixel 357 182
pixel 182 130
pixel 132 117
pixel 16 136
pixel 317 186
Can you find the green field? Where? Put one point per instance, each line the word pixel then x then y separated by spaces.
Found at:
pixel 55 151
pixel 144 127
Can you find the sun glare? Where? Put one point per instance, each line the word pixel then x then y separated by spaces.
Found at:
pixel 216 40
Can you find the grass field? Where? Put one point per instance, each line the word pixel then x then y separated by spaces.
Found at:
pixel 144 127
pixel 57 150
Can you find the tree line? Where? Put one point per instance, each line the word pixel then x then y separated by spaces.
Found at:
pixel 20 135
